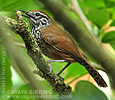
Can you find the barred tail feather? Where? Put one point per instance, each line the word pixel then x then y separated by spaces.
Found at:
pixel 96 76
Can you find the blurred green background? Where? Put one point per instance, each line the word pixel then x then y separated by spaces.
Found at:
pixel 101 16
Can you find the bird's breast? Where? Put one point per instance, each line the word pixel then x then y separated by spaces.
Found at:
pixel 37 34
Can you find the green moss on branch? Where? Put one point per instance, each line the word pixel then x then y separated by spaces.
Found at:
pixel 21 28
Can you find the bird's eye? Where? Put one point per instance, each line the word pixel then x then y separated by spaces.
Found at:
pixel 37 14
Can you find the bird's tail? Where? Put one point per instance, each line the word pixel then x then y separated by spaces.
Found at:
pixel 94 73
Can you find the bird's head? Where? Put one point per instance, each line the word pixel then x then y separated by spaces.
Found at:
pixel 37 18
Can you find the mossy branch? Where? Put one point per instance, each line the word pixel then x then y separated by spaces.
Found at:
pixel 20 27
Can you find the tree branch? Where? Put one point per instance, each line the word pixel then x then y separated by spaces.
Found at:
pixel 17 59
pixel 22 45
pixel 87 40
pixel 21 28
pixel 76 8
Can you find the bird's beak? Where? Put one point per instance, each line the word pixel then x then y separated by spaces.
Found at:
pixel 28 15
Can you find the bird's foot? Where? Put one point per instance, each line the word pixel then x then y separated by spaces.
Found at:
pixel 50 61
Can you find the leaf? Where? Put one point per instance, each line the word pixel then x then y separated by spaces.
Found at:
pixel 23 93
pixel 11 4
pixel 109 3
pixel 113 45
pixel 26 92
pixel 66 1
pixel 5 73
pixel 85 90
pixel 31 5
pixel 113 23
pixel 112 12
pixel 98 17
pixel 57 66
pixel 109 37
pixel 74 70
pixel 83 6
pixel 71 71
pixel 94 3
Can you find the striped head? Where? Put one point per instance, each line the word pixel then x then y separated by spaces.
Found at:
pixel 37 18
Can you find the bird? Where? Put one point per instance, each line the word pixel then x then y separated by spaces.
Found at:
pixel 57 44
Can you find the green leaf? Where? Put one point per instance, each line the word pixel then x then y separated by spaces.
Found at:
pixel 112 12
pixel 66 2
pixel 113 23
pixel 98 17
pixel 26 92
pixel 11 4
pixel 31 5
pixel 113 45
pixel 57 66
pixel 85 90
pixel 109 38
pixel 94 3
pixel 23 93
pixel 109 3
pixel 75 69
pixel 5 73
pixel 83 6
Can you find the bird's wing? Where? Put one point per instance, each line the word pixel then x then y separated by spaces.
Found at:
pixel 61 41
